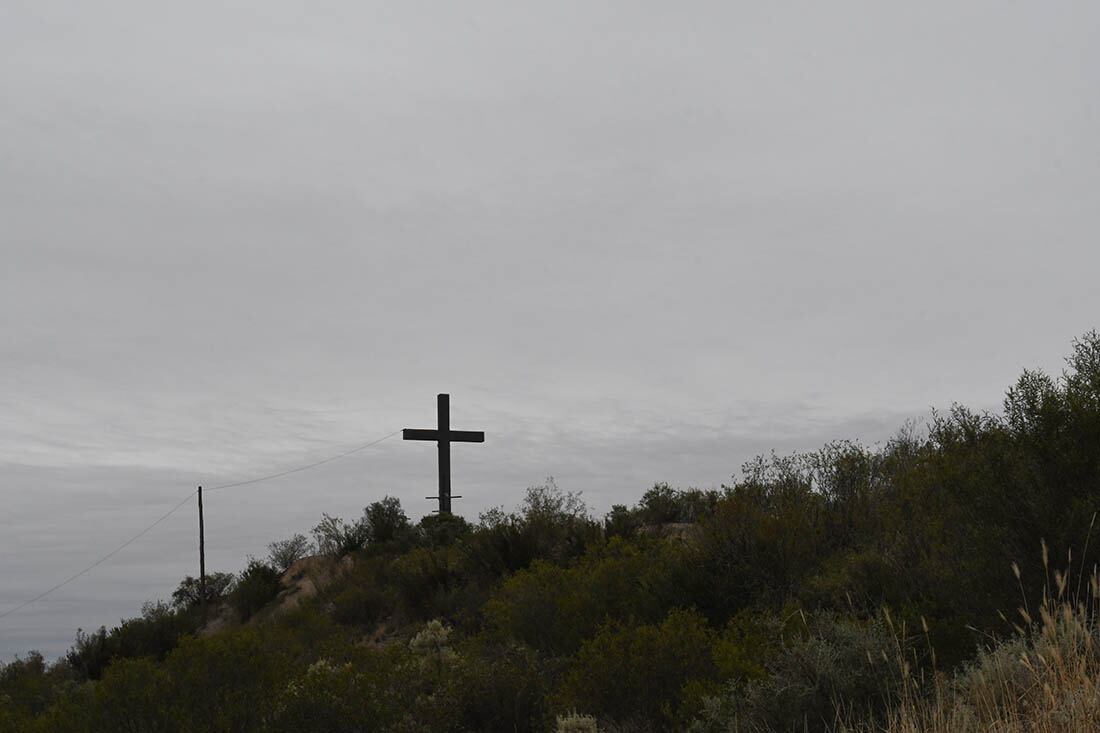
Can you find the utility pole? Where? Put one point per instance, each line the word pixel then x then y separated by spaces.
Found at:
pixel 202 561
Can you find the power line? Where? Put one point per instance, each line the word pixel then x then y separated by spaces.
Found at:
pixel 101 560
pixel 306 467
pixel 177 507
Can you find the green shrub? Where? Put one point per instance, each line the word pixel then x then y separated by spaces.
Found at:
pixel 642 673
pixel 386 521
pixel 28 685
pixel 428 583
pixel 134 695
pixel 553 608
pixel 285 553
pixel 231 681
pixel 621 521
pixel 257 586
pixel 341 698
pixel 441 530
pixel 189 593
pixel 499 686
pixel 335 537
pixel 829 666
pixel 153 634
pixel 576 723
pixel 362 605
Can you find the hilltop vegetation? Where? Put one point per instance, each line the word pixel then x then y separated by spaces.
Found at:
pixel 851 587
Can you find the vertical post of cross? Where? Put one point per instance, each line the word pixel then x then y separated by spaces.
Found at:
pixel 443 426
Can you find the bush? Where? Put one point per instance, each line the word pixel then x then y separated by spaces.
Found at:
pixel 362 605
pixel 828 665
pixel 495 686
pixel 621 522
pixel 1046 678
pixel 343 698
pixel 189 592
pixel 641 673
pixel 257 586
pixel 335 537
pixel 285 553
pixel 134 695
pixel 554 609
pixel 576 723
pixel 763 541
pixel 230 681
pixel 153 634
pixel 386 520
pixel 441 530
pixel 428 584
pixel 28 685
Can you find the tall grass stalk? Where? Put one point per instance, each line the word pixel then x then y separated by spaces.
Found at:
pixel 1044 680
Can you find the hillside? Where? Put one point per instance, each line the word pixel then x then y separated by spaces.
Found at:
pixel 942 581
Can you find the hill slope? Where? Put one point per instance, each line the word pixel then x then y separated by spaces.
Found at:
pixel 848 579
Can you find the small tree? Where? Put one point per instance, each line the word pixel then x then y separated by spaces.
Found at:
pixel 189 592
pixel 257 586
pixel 336 538
pixel 621 521
pixel 285 553
pixel 548 502
pixel 386 520
pixel 440 530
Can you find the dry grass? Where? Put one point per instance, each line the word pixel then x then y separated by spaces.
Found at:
pixel 1045 680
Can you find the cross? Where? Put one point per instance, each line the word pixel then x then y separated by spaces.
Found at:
pixel 444 436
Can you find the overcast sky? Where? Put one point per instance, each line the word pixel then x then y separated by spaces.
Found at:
pixel 635 241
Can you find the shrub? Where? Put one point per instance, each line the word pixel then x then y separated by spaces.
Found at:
pixel 641 673
pixel 257 586
pixel 576 723
pixel 362 605
pixel 548 501
pixel 556 523
pixel 498 687
pixel 1045 678
pixel 189 592
pixel 553 525
pixel 285 553
pixel 28 685
pixel 660 505
pixel 441 530
pixel 830 663
pixel 553 609
pixel 230 681
pixel 153 634
pixel 621 522
pixel 763 541
pixel 432 643
pixel 427 583
pixel 342 698
pixel 386 520
pixel 134 695
pixel 335 537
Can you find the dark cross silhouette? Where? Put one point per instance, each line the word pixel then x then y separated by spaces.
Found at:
pixel 444 436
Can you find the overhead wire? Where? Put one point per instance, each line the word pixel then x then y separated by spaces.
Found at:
pixel 306 467
pixel 178 506
pixel 101 560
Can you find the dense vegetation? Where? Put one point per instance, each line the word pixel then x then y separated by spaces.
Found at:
pixel 866 587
